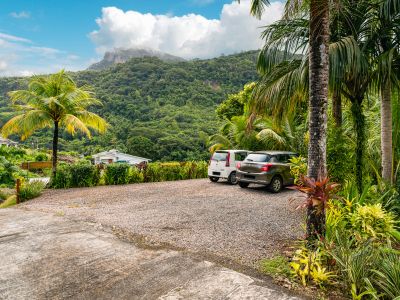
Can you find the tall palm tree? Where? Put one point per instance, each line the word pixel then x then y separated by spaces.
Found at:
pixel 384 25
pixel 318 57
pixel 53 101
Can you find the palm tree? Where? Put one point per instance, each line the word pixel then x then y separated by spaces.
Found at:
pixel 384 26
pixel 53 101
pixel 318 57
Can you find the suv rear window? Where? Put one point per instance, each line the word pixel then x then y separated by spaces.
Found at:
pixel 258 157
pixel 219 156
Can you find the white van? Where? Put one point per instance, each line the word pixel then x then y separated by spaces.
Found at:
pixel 223 164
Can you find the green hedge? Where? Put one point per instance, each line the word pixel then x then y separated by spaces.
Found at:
pixel 83 174
pixel 76 175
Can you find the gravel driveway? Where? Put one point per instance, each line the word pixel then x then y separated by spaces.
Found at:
pixel 224 222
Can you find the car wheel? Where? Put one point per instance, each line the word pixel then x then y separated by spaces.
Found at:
pixel 232 179
pixel 276 184
pixel 243 185
pixel 213 179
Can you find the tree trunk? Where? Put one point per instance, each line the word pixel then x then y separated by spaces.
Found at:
pixel 55 148
pixel 359 126
pixel 318 102
pixel 337 108
pixel 386 133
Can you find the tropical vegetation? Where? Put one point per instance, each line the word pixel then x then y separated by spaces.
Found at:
pixel 53 101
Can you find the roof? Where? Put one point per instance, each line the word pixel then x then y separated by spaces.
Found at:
pixel 274 152
pixel 233 150
pixel 114 151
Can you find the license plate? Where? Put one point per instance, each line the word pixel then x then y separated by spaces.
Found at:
pixel 249 176
pixel 216 173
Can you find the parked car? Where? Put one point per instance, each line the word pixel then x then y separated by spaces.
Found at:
pixel 223 163
pixel 270 168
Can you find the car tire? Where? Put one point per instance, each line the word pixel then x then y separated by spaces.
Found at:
pixel 276 184
pixel 232 179
pixel 243 185
pixel 213 179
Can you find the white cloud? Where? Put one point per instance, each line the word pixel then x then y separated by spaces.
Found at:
pixel 21 57
pixel 13 38
pixel 21 15
pixel 188 36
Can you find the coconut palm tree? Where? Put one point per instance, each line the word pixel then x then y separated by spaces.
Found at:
pixel 53 101
pixel 318 58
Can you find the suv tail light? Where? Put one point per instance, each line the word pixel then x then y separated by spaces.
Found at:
pixel 238 165
pixel 228 158
pixel 266 167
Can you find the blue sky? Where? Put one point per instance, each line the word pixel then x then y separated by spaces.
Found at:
pixel 41 36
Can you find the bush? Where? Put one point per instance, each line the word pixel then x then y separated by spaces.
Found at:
pixel 298 168
pixel 116 174
pixel 41 157
pixel 7 170
pixel 62 180
pixel 135 175
pixel 84 174
pixel 371 221
pixel 31 190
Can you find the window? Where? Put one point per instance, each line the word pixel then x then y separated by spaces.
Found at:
pixel 219 156
pixel 240 156
pixel 258 157
pixel 283 158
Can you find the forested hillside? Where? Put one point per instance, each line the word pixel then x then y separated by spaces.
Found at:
pixel 161 110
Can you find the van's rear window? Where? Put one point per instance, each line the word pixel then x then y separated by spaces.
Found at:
pixel 219 156
pixel 258 157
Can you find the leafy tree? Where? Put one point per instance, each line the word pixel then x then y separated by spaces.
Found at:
pixel 53 101
pixel 141 146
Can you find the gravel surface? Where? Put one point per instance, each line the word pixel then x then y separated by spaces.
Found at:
pixel 216 219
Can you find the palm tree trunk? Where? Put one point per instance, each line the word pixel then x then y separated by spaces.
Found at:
pixel 359 126
pixel 337 108
pixel 318 102
pixel 55 148
pixel 386 132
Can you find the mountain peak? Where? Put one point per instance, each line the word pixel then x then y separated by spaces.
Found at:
pixel 121 55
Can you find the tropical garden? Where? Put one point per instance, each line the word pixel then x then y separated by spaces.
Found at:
pixel 328 89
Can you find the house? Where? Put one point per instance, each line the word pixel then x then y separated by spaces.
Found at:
pixel 7 142
pixel 113 156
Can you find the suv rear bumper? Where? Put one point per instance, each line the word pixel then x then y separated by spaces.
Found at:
pixel 258 178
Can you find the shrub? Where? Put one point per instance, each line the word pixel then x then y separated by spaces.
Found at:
pixel 307 265
pixel 31 190
pixel 298 168
pixel 116 173
pixel 152 173
pixel 41 157
pixel 62 180
pixel 7 170
pixel 372 221
pixel 135 175
pixel 83 174
pixel 387 274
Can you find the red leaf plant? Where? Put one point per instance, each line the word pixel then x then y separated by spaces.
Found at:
pixel 316 192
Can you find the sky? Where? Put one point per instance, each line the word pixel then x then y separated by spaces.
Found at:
pixel 44 36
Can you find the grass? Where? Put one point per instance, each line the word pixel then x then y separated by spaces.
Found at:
pixel 277 266
pixel 10 201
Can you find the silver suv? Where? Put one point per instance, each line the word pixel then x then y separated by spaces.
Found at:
pixel 270 168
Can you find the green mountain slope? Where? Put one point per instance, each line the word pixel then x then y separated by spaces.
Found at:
pixel 157 109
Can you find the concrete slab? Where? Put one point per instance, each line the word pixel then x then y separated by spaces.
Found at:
pixel 46 256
